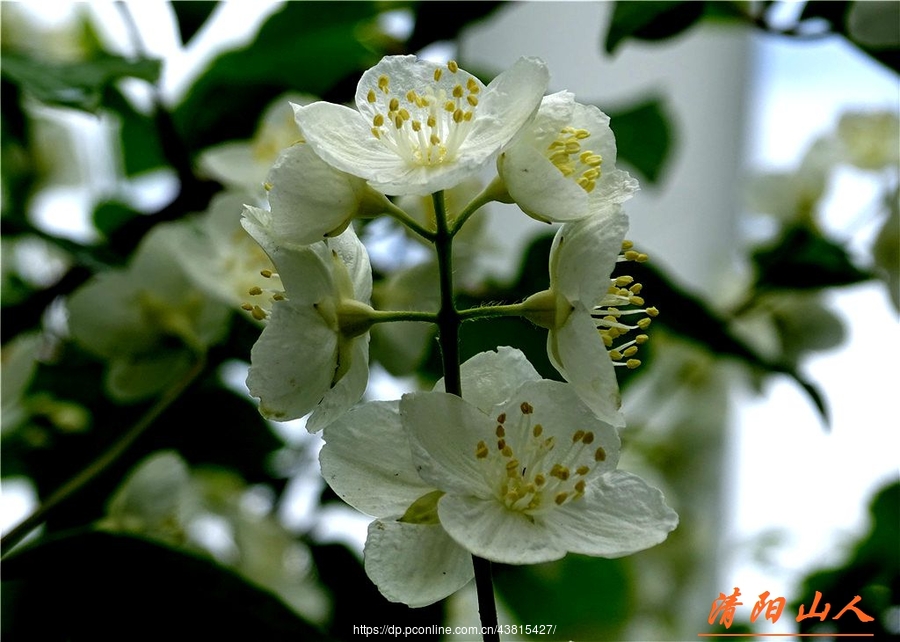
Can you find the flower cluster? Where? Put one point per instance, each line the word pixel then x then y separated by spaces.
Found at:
pixel 495 462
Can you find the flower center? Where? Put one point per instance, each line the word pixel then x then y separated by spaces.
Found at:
pixel 565 152
pixel 426 125
pixel 623 300
pixel 531 473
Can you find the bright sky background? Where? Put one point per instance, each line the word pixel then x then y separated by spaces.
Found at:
pixel 789 475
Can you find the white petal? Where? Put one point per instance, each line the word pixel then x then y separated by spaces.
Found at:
pixel 367 461
pixel 347 390
pixel 487 529
pixel 342 138
pixel 292 362
pixel 490 378
pixel 505 106
pixel 539 188
pixel 586 252
pixel 415 564
pixel 578 353
pixel 355 258
pixel 620 514
pixel 309 198
pixel 444 432
pixel 236 165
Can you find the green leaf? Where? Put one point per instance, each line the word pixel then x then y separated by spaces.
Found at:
pixel 79 85
pixel 801 259
pixel 644 137
pixel 307 47
pixel 191 16
pixel 650 20
pixel 587 598
pixel 111 215
pixel 141 149
pixel 99 586
pixel 444 20
pixel 687 315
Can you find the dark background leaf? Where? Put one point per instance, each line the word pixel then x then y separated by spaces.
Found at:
pixel 650 21
pixel 191 16
pixel 644 137
pixel 98 586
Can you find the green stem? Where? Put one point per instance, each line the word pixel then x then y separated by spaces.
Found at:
pixel 448 336
pixel 492 312
pixel 396 213
pixel 496 191
pixel 104 461
pixel 389 316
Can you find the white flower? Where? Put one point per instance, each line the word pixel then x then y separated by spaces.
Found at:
pixel 519 471
pixel 314 350
pixel 245 164
pixel 562 165
pixel 423 127
pixel 220 256
pixel 129 317
pixel 870 140
pixel 310 200
pixel 579 310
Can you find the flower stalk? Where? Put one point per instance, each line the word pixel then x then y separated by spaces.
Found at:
pixel 448 335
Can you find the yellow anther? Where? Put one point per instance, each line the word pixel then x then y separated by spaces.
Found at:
pixel 383 84
pixel 630 352
pixel 539 480
pixel 561 498
pixel 526 408
pixel 644 323
pixel 506 452
pixel 268 186
pixel 434 139
pixel 636 288
pixel 255 290
pixel 641 339
pixel 622 281
pixel 627 245
pixel 581 134
pixel 631 364
pixel 472 86
pixel 376 133
pixel 278 297
pixel 591 174
pixel 583 470
pixel 412 96
pixel 403 114
pixel 615 355
pixel 607 339
pixel 378 120
pixel 258 313
pixel 416 126
pixel 560 472
pixel 438 73
pixel 472 100
pixel 512 464
pixel 579 487
pixel 577 436
pixel 588 438
pixel 450 106
pixel 247 306
pixel 572 147
pixel 652 311
pixel 452 66
pixel 394 105
pixel 398 121
pixel 537 430
pixel 501 418
pixel 481 450
pixel 431 122
pixel 370 97
pixel 266 273
pixel 501 444
pixel 500 432
pixel 458 91
pixel 631 255
pixel 600 454
pixel 458 116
